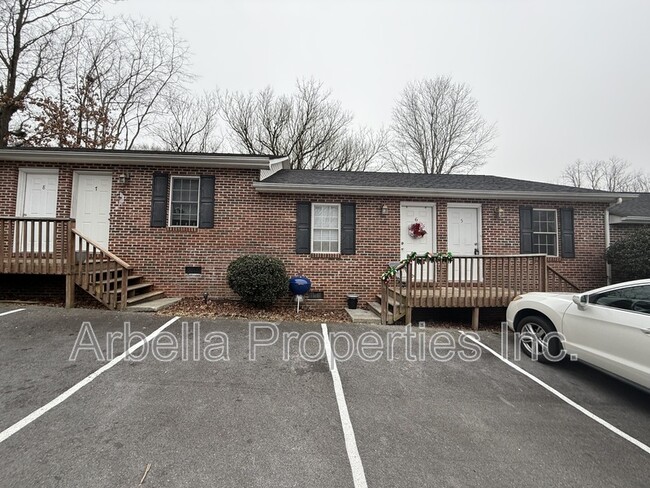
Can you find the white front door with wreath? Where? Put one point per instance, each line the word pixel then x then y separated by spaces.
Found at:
pixel 418 233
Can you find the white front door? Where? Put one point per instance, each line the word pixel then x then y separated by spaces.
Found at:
pixel 92 205
pixel 38 197
pixel 423 214
pixel 463 238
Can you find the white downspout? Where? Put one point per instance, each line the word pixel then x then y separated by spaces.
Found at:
pixel 607 237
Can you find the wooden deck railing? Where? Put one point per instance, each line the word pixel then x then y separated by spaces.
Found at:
pixel 467 281
pixel 557 282
pixel 53 246
pixel 34 245
pixel 99 272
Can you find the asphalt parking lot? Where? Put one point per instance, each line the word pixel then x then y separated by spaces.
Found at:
pixel 281 420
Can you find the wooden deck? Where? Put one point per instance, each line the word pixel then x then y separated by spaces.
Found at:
pixel 466 282
pixel 52 246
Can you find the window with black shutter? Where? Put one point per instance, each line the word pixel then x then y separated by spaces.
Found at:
pixel 325 228
pixel 540 233
pixel 182 201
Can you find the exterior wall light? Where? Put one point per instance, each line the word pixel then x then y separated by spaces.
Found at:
pixel 123 178
pixel 384 209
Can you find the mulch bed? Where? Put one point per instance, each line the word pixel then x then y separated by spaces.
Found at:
pixel 197 307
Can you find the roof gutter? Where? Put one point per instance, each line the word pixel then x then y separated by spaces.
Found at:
pixel 608 266
pixel 136 158
pixel 266 187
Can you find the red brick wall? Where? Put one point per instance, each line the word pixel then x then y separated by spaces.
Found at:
pixel 250 222
pixel 618 231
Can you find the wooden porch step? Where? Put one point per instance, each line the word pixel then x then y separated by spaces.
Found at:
pixel 391 301
pixel 144 297
pixel 375 308
pixel 139 286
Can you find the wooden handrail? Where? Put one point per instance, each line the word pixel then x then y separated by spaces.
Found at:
pixel 101 248
pixel 98 271
pixel 39 219
pixel 562 278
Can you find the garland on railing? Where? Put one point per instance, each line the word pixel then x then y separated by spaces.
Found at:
pixel 414 257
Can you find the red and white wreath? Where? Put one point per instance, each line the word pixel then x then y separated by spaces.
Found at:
pixel 416 230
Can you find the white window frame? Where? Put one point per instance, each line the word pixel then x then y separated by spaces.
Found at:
pixel 557 230
pixel 311 240
pixel 198 201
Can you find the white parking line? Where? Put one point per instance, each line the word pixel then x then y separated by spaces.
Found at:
pixel 11 311
pixel 6 434
pixel 358 474
pixel 562 397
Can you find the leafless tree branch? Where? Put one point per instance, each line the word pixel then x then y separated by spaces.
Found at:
pixel 308 126
pixel 30 31
pixel 437 128
pixel 614 174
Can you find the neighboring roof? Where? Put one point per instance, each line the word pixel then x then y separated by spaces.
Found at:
pixel 452 185
pixel 636 210
pixel 150 158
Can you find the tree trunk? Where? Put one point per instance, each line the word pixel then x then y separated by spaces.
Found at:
pixel 5 117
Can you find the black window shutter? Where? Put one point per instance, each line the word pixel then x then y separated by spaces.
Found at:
pixel 348 227
pixel 568 248
pixel 206 203
pixel 526 230
pixel 159 199
pixel 303 228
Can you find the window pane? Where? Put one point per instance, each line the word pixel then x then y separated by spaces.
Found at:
pixel 633 298
pixel 325 234
pixel 545 232
pixel 185 202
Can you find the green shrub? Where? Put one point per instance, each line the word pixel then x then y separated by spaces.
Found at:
pixel 257 279
pixel 630 257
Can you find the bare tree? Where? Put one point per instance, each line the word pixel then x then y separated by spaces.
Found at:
pixel 614 174
pixel 583 175
pixel 110 85
pixel 358 151
pixel 190 123
pixel 308 126
pixel 437 128
pixel 30 46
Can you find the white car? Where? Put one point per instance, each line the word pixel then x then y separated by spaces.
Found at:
pixel 608 328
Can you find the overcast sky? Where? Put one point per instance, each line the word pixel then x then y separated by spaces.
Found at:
pixel 562 79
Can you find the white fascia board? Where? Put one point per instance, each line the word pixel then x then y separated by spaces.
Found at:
pixel 284 161
pixel 633 219
pixel 137 158
pixel 264 187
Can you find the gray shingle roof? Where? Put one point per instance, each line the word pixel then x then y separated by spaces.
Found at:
pixel 636 207
pixel 412 180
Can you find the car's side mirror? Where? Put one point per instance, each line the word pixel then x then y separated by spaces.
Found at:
pixel 581 301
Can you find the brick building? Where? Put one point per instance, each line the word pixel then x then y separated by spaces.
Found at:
pixel 179 219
